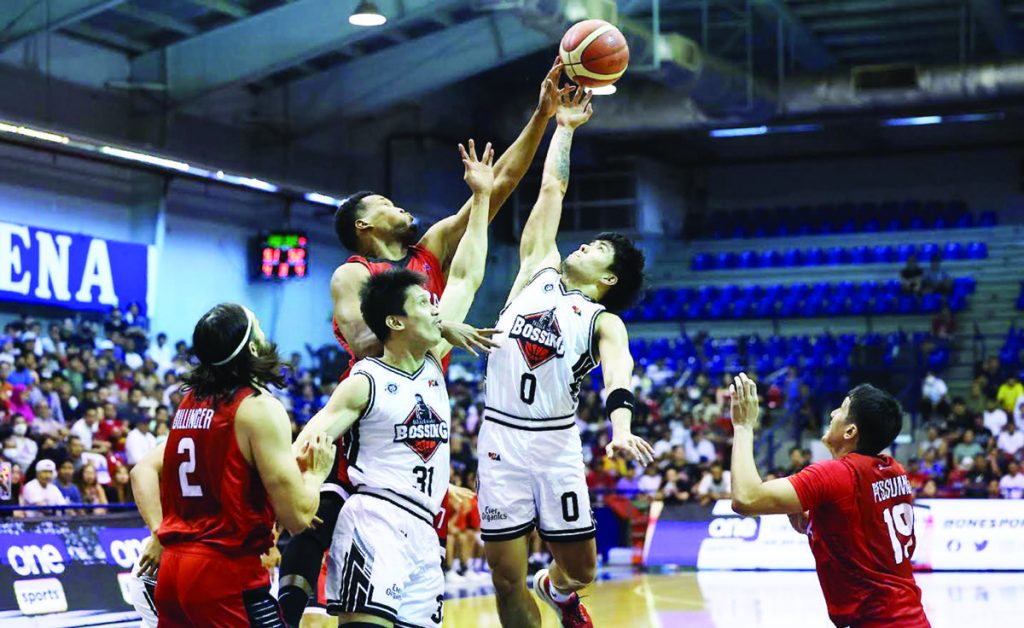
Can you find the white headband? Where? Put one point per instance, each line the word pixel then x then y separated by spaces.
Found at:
pixel 245 340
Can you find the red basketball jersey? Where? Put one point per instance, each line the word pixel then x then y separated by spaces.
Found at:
pixel 418 259
pixel 209 493
pixel 862 536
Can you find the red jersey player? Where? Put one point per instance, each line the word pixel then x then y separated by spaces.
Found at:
pixel 231 473
pixel 856 508
pixel 383 236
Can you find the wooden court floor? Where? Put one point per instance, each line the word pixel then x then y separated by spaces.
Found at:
pixel 758 599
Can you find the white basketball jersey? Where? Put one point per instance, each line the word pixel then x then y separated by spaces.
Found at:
pixel 398 449
pixel 547 347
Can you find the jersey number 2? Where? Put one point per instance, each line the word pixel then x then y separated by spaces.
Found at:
pixel 900 521
pixel 188 446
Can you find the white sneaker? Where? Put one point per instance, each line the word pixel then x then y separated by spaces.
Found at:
pixel 455 579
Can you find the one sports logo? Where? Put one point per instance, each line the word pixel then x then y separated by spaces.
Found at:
pixel 423 431
pixel 539 337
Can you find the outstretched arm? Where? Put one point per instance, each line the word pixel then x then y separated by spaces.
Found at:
pixel 346 282
pixel 346 405
pixel 617 367
pixel 750 495
pixel 537 248
pixel 467 271
pixel 293 486
pixel 443 238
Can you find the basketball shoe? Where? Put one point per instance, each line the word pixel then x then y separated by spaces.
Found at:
pixel 572 613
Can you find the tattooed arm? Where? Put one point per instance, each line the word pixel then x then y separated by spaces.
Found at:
pixel 537 247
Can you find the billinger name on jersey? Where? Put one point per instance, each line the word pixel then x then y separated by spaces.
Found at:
pixel 192 419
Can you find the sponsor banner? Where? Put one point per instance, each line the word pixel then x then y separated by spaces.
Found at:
pixel 40 596
pixel 70 270
pixel 952 534
pixel 73 564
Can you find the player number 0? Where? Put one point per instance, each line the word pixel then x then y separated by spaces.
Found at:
pixel 187 445
pixel 900 521
pixel 528 388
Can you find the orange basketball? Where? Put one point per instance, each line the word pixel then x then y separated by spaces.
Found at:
pixel 594 53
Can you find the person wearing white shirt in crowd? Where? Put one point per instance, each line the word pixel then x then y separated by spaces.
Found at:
pixel 716 484
pixel 1012 484
pixel 933 391
pixel 1018 412
pixel 650 481
pixel 994 417
pixel 42 491
pixel 139 443
pixel 171 386
pixel 660 374
pixel 1010 440
pixel 45 423
pixel 701 450
pixel 19 447
pixel 162 353
pixel 86 427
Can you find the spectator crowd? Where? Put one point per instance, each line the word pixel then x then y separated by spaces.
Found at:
pixel 83 400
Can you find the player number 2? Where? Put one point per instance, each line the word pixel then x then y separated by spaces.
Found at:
pixel 528 388
pixel 425 478
pixel 900 521
pixel 188 446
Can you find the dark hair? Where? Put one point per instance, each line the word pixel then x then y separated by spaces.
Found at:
pixel 216 335
pixel 878 418
pixel 383 295
pixel 345 219
pixel 628 266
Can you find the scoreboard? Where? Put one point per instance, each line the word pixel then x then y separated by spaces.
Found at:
pixel 278 256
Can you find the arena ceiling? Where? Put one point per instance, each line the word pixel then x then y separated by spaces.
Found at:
pixel 293 73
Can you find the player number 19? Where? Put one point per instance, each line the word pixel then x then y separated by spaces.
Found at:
pixel 900 521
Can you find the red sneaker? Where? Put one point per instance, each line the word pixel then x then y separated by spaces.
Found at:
pixel 572 613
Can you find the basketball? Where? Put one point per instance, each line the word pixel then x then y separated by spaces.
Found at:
pixel 594 52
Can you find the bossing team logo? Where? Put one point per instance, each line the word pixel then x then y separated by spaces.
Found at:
pixel 423 431
pixel 539 337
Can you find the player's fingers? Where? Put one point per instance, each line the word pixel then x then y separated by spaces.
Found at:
pixel 586 98
pixel 488 153
pixel 462 151
pixel 472 150
pixel 469 347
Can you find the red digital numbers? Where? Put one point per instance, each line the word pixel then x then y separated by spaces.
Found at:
pixel 280 258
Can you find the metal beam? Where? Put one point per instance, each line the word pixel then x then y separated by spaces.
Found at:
pixel 160 20
pixel 108 38
pixel 288 35
pixel 23 18
pixel 807 49
pixel 375 81
pixel 901 19
pixel 1002 32
pixel 861 7
pixel 223 6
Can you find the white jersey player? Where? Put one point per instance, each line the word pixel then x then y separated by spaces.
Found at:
pixel 384 555
pixel 556 326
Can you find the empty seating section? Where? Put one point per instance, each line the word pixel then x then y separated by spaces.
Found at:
pixel 838 255
pixel 798 300
pixel 826 353
pixel 842 218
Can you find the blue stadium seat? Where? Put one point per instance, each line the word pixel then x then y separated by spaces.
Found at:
pixel 954 251
pixel 859 255
pixel 837 255
pixel 931 303
pixel 771 259
pixel 814 257
pixel 988 219
pixel 793 257
pixel 926 251
pixel 727 260
pixel 977 250
pixel 702 261
pixel 904 251
pixel 884 254
pixel 749 259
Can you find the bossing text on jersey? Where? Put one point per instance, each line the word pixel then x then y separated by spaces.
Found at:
pixel 423 431
pixel 539 337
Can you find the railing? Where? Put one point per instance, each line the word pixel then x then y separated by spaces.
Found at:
pixel 7 511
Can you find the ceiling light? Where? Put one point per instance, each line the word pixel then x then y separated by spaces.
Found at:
pixel 367 14
pixel 322 199
pixel 604 90
pixel 915 121
pixel 740 132
pixel 154 160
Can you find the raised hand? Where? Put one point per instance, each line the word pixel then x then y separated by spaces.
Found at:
pixel 745 408
pixel 630 447
pixel 547 105
pixel 479 172
pixel 574 106
pixel 465 336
